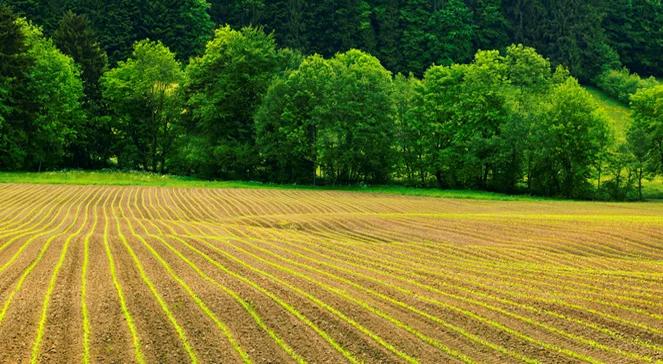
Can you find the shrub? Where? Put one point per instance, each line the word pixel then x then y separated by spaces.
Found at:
pixel 621 84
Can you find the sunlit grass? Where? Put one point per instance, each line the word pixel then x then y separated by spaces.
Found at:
pixel 619 115
pixel 113 178
pixel 652 189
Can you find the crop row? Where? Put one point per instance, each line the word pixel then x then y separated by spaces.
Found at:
pixel 395 274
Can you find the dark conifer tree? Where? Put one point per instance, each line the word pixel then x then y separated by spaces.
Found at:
pixel 16 106
pixel 75 37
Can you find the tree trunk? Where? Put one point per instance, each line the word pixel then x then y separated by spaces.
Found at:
pixel 640 175
pixel 440 178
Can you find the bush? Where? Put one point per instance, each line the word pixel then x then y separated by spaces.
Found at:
pixel 621 84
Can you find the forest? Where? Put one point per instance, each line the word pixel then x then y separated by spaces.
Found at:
pixel 473 94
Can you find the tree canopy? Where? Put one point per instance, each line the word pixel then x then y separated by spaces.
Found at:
pixel 469 94
pixel 145 96
pixel 406 35
pixel 40 95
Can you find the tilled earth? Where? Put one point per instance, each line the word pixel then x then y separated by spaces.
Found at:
pixel 165 275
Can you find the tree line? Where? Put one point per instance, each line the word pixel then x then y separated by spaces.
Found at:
pixel 406 35
pixel 246 108
pixel 410 35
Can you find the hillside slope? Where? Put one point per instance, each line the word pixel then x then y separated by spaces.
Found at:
pixel 619 116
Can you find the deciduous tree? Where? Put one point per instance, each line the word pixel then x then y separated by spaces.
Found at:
pixel 145 95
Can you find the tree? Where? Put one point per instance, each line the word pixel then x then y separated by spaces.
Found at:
pixel 437 32
pixel 287 18
pixel 184 26
pixel 568 141
pixel 46 14
pixel 527 69
pixel 634 29
pixel 490 24
pixel 410 132
pixel 58 90
pixel 145 95
pixel 464 110
pixel 438 97
pixel 357 145
pixel 646 132
pixel 238 13
pixel 224 88
pixel 639 144
pixel 569 32
pixel 290 119
pixel 385 19
pixel 530 80
pixel 44 104
pixel 75 38
pixel 15 65
pixel 333 115
pixel 116 25
pixel 620 166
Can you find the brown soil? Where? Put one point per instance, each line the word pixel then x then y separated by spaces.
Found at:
pixel 275 276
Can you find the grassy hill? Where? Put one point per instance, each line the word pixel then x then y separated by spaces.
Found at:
pixel 619 115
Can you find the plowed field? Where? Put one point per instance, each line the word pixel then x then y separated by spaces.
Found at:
pixel 168 275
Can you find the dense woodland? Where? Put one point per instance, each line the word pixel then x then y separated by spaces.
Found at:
pixel 454 94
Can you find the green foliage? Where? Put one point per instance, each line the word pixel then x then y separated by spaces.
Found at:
pixel 634 29
pixel 568 142
pixel 440 33
pixel 45 114
pixel 57 88
pixel 527 69
pixel 587 37
pixel 491 28
pixel 75 37
pixel 639 147
pixel 410 129
pixel 619 166
pixel 501 121
pixel 505 120
pixel 46 14
pixel 237 12
pixel 289 120
pixel 621 84
pixel 224 89
pixel 336 115
pixel 646 132
pixel 92 145
pixel 15 65
pixel 359 115
pixel 146 98
pixel 464 109
pixel 619 114
pixel 569 32
pixel 184 26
